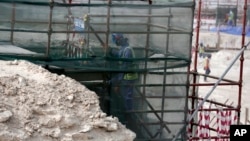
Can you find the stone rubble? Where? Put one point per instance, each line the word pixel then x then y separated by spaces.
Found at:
pixel 37 105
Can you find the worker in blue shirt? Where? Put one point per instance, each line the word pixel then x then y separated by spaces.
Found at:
pixel 125 81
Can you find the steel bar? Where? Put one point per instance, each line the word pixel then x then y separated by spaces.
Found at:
pixel 157 123
pixel 101 32
pixel 194 87
pixel 213 102
pixel 13 18
pixel 170 97
pixel 215 77
pixel 212 89
pixel 152 109
pixel 211 84
pixel 164 76
pixel 242 59
pixel 157 111
pixel 62 22
pixel 133 16
pixel 49 28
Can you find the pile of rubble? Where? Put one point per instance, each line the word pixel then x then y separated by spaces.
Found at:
pixel 37 105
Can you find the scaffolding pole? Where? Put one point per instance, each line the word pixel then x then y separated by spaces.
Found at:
pixel 239 55
pixel 212 89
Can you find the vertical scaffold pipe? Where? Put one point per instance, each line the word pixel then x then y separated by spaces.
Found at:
pixel 88 25
pixel 146 50
pixel 197 35
pixel 242 60
pixel 146 63
pixel 13 20
pixel 68 22
pixel 195 56
pixel 108 28
pixel 212 89
pixel 50 27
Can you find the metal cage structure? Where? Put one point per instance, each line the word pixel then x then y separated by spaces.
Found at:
pixel 201 125
pixel 74 38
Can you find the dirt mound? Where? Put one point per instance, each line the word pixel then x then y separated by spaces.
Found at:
pixel 37 105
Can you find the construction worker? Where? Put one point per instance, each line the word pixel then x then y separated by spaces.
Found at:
pixel 124 81
pixel 207 66
pixel 201 50
pixel 231 18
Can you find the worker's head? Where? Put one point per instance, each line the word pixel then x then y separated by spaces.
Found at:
pixel 119 39
pixel 209 56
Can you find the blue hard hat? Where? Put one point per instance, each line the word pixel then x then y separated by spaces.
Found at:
pixel 117 37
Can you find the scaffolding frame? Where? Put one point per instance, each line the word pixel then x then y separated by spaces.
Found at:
pixel 195 108
pixel 194 74
pixel 158 113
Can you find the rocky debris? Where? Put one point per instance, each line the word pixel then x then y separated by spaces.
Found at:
pixel 39 105
pixel 5 115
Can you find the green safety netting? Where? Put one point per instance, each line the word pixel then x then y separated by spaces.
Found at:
pixel 167 31
pixel 77 36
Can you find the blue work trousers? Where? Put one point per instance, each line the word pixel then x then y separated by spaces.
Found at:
pixel 127 92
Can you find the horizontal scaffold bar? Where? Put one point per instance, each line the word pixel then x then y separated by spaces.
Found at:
pixel 101 32
pixel 103 4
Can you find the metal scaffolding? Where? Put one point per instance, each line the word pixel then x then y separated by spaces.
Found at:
pixel 166 98
pixel 74 39
pixel 197 108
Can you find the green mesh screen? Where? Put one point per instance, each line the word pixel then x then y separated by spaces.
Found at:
pixel 77 37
